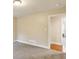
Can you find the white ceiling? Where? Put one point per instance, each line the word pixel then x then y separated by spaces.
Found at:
pixel 31 6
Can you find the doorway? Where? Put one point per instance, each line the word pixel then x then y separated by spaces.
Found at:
pixel 57 31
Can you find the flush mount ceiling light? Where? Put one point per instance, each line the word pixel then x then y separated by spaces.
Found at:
pixel 17 2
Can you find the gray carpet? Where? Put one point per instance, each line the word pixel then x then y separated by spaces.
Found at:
pixel 25 51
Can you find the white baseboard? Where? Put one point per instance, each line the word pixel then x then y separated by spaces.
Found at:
pixel 33 44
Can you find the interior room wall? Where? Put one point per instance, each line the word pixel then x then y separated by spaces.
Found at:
pixel 34 28
pixel 14 28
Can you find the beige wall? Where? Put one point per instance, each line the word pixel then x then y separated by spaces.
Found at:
pixel 34 27
pixel 14 28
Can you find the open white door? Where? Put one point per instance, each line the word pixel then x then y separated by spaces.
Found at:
pixel 55 29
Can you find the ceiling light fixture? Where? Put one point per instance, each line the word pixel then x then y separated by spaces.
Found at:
pixel 17 2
